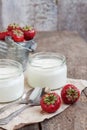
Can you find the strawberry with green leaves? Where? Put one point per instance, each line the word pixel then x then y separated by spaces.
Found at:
pixel 17 35
pixel 13 26
pixel 29 32
pixel 70 94
pixel 50 102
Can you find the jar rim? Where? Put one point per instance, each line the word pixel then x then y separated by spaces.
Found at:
pixel 5 63
pixel 51 55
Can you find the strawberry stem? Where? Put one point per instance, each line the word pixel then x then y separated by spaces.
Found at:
pixel 18 32
pixel 50 99
pixel 27 28
pixel 72 94
pixel 14 25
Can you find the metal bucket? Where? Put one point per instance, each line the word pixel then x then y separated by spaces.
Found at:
pixel 17 51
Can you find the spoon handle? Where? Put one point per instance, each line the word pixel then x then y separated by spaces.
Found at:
pixel 6 120
pixel 2 109
pixel 33 101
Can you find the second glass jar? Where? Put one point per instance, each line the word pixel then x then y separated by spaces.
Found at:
pixel 47 69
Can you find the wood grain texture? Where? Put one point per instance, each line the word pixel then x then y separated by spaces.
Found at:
pixel 73 118
pixel 30 127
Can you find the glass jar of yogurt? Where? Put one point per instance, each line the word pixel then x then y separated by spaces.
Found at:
pixel 47 69
pixel 11 80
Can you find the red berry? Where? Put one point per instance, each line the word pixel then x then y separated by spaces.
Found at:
pixel 29 32
pixel 70 94
pixel 17 35
pixel 50 102
pixel 3 34
pixel 13 27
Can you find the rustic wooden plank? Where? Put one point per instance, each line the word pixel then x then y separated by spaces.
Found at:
pixel 85 91
pixel 30 127
pixel 73 118
pixel 27 127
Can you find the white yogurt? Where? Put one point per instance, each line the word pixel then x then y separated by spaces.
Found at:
pixel 47 72
pixel 11 83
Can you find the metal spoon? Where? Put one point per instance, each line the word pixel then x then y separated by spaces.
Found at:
pixel 24 100
pixel 33 101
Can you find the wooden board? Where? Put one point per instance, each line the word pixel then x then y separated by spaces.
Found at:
pixel 73 118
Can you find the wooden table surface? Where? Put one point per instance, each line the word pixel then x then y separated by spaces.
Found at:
pixel 75 50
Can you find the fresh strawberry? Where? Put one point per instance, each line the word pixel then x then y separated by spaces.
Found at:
pixel 29 32
pixel 50 102
pixel 17 36
pixel 13 27
pixel 3 34
pixel 70 94
pixel 9 33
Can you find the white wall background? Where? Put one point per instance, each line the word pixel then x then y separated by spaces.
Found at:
pixel 42 14
pixel 46 15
